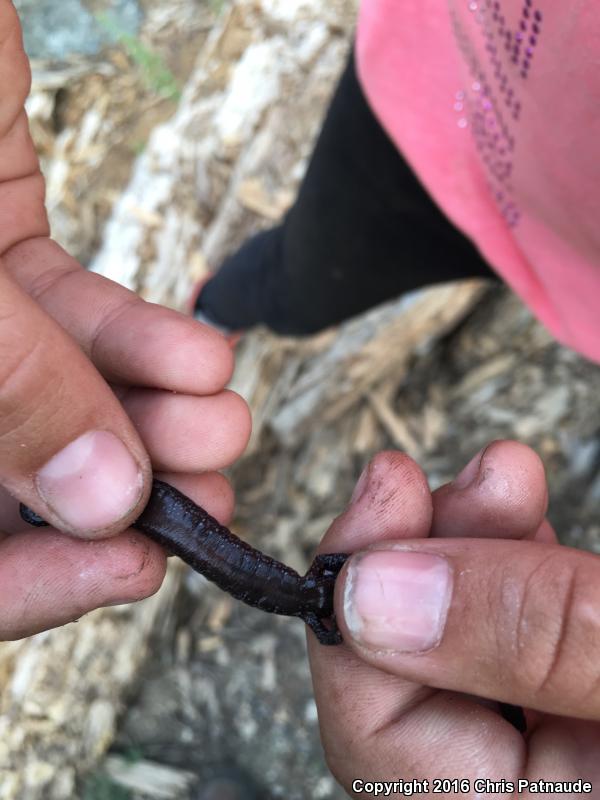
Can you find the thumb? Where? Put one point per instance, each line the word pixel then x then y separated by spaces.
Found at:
pixel 517 622
pixel 67 448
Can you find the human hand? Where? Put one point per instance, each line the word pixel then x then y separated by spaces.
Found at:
pixel 432 625
pixel 97 390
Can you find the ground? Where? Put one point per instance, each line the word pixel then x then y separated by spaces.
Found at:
pixel 193 682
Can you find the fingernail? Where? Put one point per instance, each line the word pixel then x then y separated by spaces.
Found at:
pixel 361 485
pixel 397 600
pixel 91 484
pixel 468 475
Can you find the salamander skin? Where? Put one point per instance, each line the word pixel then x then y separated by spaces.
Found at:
pixel 188 531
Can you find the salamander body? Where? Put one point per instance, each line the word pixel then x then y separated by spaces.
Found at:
pixel 188 531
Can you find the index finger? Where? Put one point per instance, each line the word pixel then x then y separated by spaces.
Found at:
pixel 131 342
pixel 67 448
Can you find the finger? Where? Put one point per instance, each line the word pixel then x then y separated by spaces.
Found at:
pixel 391 500
pixel 563 750
pixel 130 342
pixel 190 434
pixel 48 579
pixel 501 493
pixel 211 490
pixel 14 68
pixel 546 533
pixel 67 449
pixel 10 519
pixel 498 619
pixel 373 727
pixel 22 212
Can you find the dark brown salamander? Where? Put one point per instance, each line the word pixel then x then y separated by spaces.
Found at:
pixel 188 531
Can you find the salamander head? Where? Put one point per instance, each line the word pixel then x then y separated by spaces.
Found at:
pixel 319 582
pixel 314 594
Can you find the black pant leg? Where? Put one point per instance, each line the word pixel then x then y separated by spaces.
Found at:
pixel 362 230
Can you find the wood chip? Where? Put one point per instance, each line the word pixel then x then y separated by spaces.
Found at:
pixel 219 614
pixel 209 644
pixel 396 427
pixel 149 778
pixel 366 350
pixel 254 196
pixel 365 436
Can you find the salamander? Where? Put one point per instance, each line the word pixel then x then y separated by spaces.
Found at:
pixel 188 531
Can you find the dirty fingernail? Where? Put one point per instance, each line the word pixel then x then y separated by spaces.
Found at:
pixel 92 483
pixel 397 600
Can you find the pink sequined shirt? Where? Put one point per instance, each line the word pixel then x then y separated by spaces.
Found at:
pixel 496 106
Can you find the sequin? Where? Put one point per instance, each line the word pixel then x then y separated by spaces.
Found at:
pixel 490 120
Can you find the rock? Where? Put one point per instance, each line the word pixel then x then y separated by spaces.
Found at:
pixel 59 31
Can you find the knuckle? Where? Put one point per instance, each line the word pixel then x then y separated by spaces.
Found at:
pixel 112 314
pixel 18 375
pixel 553 634
pixel 551 626
pixel 49 280
pixel 28 387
